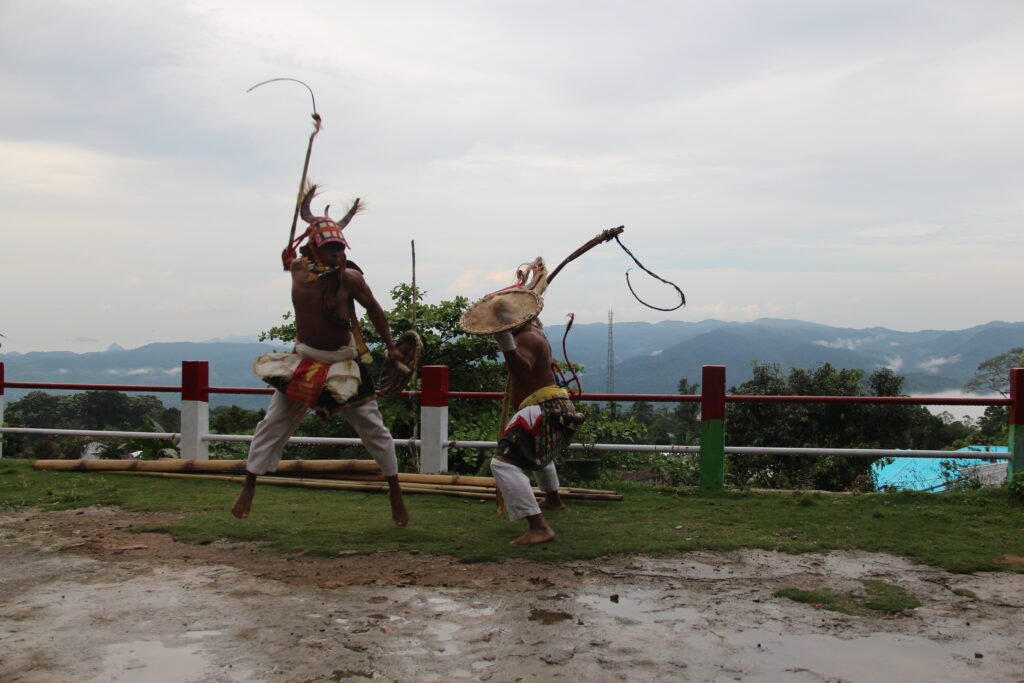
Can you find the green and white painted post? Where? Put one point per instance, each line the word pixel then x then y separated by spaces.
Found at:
pixel 712 428
pixel 1 408
pixel 1016 444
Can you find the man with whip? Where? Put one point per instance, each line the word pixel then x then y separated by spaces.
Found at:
pixel 326 372
pixel 545 421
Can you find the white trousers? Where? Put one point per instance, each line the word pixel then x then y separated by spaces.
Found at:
pixel 516 490
pixel 283 417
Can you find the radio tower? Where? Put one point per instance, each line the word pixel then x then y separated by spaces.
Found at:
pixel 609 382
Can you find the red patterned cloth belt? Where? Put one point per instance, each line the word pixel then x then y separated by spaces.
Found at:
pixel 307 382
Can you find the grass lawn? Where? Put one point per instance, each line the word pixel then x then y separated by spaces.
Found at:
pixel 958 532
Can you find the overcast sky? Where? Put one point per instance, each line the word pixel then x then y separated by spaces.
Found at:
pixel 851 163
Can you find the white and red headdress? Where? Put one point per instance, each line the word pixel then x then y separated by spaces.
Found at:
pixel 322 230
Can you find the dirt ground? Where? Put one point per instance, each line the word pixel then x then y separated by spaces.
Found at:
pixel 83 599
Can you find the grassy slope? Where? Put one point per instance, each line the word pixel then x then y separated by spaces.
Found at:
pixel 959 532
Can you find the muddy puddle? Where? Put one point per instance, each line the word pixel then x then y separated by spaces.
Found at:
pixel 113 617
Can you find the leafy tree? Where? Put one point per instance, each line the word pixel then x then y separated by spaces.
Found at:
pixel 825 425
pixel 232 420
pixel 679 424
pixel 993 425
pixel 686 416
pixel 144 449
pixel 100 410
pixel 993 375
pixel 642 412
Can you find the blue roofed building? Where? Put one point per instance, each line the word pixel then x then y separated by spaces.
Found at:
pixel 935 474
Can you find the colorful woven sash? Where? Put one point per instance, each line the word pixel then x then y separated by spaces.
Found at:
pixel 307 382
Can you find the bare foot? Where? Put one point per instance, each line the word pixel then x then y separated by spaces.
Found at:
pixel 243 504
pixel 399 515
pixel 552 501
pixel 534 536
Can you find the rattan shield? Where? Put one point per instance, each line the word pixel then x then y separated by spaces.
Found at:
pixel 501 311
pixel 395 376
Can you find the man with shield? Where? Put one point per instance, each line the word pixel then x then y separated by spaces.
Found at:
pixel 545 420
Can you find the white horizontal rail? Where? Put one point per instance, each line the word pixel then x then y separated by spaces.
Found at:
pixel 861 452
pixel 585 447
pixel 90 432
pixel 328 440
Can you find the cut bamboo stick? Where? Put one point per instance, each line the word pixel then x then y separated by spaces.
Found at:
pixel 349 475
pixel 285 466
pixel 365 486
pixel 456 479
pixel 479 493
pixel 459 479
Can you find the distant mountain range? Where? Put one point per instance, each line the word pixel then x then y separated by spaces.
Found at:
pixel 651 358
pixel 648 357
pixel 152 364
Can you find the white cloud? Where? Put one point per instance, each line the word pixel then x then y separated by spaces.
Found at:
pixel 129 372
pixel 894 363
pixel 850 344
pixel 820 161
pixel 933 365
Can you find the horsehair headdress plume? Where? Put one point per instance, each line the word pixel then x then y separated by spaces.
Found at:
pixel 306 212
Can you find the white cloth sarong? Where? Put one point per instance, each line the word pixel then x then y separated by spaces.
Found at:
pixel 283 417
pixel 520 501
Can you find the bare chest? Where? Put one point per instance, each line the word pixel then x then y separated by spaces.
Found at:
pixel 321 311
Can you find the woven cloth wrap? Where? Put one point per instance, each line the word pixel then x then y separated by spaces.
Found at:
pixel 319 385
pixel 540 432
pixel 395 376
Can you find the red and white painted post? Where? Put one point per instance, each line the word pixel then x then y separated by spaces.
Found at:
pixel 434 420
pixel 195 409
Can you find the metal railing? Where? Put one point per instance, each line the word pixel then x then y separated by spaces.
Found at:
pixel 194 437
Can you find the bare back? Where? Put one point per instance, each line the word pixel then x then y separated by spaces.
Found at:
pixel 529 364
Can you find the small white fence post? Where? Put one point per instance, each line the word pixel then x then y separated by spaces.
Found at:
pixel 434 420
pixel 195 409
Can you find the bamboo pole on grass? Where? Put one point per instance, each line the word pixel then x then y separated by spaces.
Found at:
pixel 364 486
pixel 285 466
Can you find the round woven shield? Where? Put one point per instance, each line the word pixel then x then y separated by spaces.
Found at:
pixel 501 311
pixel 395 376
